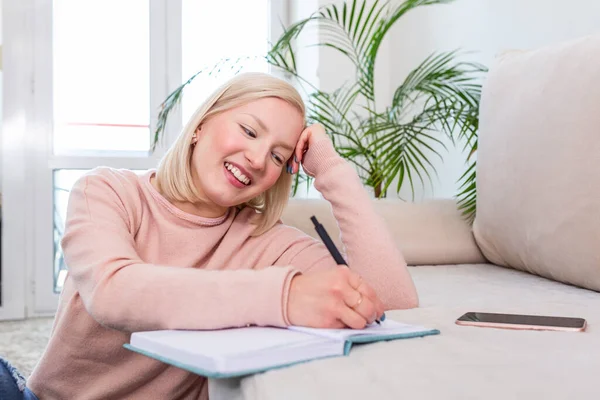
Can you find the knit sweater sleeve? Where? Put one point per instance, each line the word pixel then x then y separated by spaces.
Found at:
pixel 369 247
pixel 122 291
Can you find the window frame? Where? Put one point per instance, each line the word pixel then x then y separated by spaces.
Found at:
pixel 28 207
pixel 16 114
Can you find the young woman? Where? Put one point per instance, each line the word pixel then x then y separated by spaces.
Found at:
pixel 198 244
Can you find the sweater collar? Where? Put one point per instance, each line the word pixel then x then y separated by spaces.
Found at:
pixel 196 219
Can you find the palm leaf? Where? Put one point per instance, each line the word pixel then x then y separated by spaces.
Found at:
pixel 400 150
pixel 281 54
pixel 350 24
pixel 369 53
pixel 452 96
pixel 467 196
pixel 331 110
pixel 439 77
pixel 301 179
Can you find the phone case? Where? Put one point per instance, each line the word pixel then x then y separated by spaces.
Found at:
pixel 521 327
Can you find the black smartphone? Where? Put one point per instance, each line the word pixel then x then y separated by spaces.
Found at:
pixel 521 321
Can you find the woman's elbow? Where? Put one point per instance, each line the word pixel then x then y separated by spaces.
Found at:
pixel 412 301
pixel 103 312
pixel 403 302
pixel 411 297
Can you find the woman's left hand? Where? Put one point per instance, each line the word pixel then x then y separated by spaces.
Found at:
pixel 309 136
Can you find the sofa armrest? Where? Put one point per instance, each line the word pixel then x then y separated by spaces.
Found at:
pixel 432 232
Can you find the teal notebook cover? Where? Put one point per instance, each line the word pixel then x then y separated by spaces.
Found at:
pixel 189 349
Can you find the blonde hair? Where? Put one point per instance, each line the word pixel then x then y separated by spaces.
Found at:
pixel 174 176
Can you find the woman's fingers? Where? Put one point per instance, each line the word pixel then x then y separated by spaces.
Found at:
pixel 332 298
pixel 369 292
pixel 354 279
pixel 361 304
pixel 299 151
pixel 351 318
pixel 366 290
pixel 311 133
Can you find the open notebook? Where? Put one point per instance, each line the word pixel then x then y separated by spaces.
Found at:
pixel 242 351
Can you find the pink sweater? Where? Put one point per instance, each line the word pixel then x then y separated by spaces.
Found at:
pixel 136 262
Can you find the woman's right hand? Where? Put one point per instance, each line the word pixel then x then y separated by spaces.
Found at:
pixel 335 298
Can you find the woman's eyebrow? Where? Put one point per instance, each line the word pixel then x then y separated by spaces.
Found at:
pixel 286 147
pixel 264 127
pixel 258 121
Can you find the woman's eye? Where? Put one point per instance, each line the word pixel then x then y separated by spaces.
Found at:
pixel 249 132
pixel 277 158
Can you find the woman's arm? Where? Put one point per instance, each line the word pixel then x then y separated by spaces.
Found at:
pixel 370 249
pixel 122 291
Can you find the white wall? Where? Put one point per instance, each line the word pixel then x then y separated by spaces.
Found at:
pixel 484 26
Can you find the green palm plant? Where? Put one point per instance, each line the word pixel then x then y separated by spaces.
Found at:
pixel 396 145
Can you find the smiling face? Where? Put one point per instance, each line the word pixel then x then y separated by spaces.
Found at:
pixel 240 153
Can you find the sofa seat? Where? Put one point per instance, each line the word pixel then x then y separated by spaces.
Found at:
pixel 461 362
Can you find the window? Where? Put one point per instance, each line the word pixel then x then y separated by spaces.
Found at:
pixel 101 69
pixel 63 181
pixel 240 31
pixel 100 93
pixel 101 76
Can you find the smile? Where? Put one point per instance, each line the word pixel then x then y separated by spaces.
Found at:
pixel 237 175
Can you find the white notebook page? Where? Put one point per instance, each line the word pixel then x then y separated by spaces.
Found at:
pixel 226 341
pixel 387 327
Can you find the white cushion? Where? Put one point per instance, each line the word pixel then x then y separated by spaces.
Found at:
pixel 427 233
pixel 538 169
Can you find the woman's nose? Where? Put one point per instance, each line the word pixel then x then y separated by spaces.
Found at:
pixel 257 158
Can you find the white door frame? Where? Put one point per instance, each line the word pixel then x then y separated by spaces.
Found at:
pixel 16 115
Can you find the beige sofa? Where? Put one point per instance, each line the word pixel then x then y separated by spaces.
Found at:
pixel 533 249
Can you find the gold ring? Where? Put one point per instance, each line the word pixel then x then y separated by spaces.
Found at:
pixel 359 300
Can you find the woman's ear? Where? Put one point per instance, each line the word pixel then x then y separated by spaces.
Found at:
pixel 195 135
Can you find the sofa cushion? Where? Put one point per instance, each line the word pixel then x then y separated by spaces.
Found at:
pixel 428 233
pixel 538 174
pixel 462 362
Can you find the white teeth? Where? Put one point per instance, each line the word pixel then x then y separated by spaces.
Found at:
pixel 237 173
